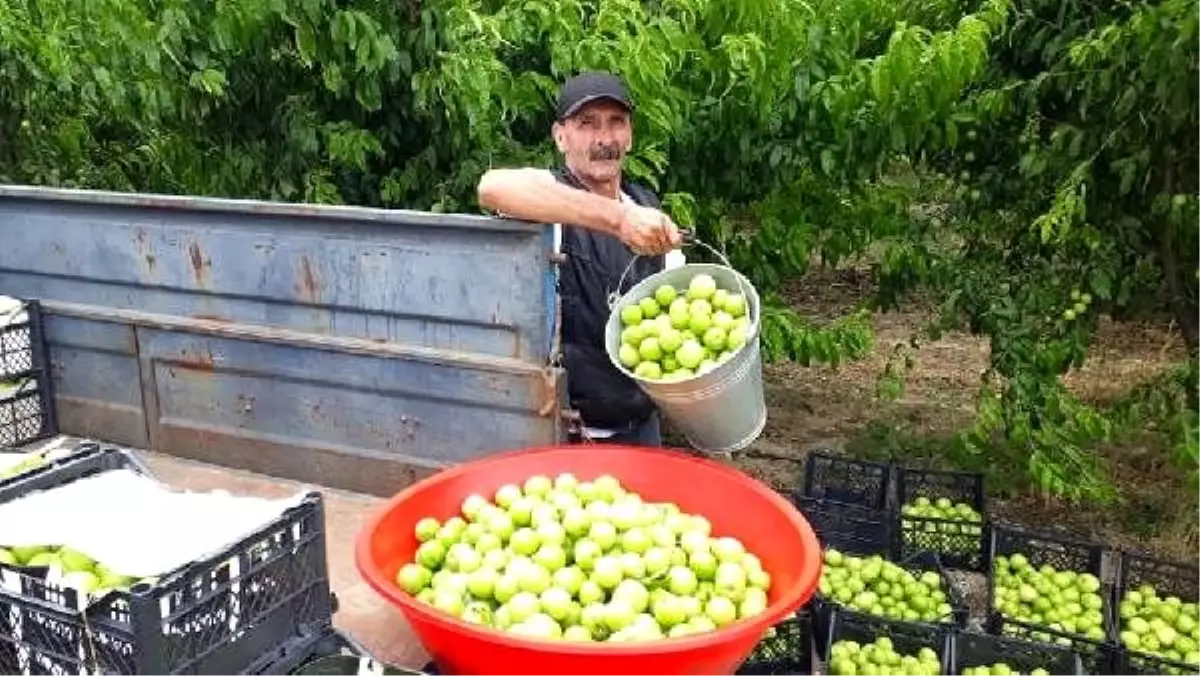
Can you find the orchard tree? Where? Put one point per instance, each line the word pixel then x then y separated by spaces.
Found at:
pixel 1030 165
pixel 1077 197
pixel 764 122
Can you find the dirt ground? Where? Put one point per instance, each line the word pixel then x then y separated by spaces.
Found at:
pixel 821 407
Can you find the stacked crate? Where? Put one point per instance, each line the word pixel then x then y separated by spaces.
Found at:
pixel 866 510
pixel 250 608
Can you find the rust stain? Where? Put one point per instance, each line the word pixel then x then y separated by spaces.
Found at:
pixel 131 341
pixel 200 264
pixel 142 244
pixel 200 361
pixel 210 318
pixel 308 287
pixel 197 257
pixel 546 392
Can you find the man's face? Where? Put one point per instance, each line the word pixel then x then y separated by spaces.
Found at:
pixel 595 139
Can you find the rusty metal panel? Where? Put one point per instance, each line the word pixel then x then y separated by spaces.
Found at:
pixel 351 347
pixel 96 383
pixel 268 401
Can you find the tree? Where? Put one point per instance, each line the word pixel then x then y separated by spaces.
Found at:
pixel 1078 197
pixel 1030 164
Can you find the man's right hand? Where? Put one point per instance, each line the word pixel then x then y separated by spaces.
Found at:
pixel 648 231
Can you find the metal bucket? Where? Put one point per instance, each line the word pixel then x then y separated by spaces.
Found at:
pixel 724 409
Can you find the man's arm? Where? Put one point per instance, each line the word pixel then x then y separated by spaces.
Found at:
pixel 534 195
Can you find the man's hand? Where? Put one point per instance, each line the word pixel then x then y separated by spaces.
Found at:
pixel 647 231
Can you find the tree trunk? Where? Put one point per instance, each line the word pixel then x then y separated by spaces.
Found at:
pixel 1187 313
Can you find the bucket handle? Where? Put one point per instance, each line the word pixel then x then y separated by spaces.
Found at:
pixel 688 238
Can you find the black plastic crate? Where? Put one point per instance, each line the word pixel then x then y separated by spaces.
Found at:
pixel 26 402
pixel 232 612
pixel 848 528
pixel 1136 662
pixel 1098 657
pixel 44 477
pixel 1168 579
pixel 824 607
pixel 960 543
pixel 1098 652
pixel 970 649
pixel 852 482
pixel 8 650
pixel 787 651
pixel 80 451
pixel 907 637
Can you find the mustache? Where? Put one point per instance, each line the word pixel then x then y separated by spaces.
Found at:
pixel 606 152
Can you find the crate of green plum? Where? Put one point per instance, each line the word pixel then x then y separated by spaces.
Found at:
pixel 861 644
pixel 786 649
pixel 234 611
pixel 1157 625
pixel 26 400
pixel 942 512
pixel 1047 588
pixel 851 482
pixel 916 591
pixel 974 654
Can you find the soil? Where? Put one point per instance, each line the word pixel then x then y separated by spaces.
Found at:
pixel 837 409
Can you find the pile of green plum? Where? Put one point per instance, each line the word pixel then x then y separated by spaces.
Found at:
pixel 848 658
pixel 1163 627
pixel 956 530
pixel 1061 600
pixel 676 335
pixel 876 586
pixel 70 568
pixel 575 560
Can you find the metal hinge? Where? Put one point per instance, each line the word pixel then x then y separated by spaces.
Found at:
pixel 573 419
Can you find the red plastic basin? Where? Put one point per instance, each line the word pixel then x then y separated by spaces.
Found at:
pixel 734 503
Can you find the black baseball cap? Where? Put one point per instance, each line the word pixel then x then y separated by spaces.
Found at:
pixel 587 87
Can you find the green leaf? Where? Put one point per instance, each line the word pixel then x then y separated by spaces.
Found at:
pixel 1101 284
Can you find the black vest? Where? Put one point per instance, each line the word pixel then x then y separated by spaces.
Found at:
pixel 604 396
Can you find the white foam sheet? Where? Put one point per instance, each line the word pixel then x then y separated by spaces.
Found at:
pixel 133 524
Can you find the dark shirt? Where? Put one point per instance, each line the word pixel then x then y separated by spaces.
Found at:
pixel 595 261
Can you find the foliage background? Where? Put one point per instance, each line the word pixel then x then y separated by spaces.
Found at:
pixel 1024 167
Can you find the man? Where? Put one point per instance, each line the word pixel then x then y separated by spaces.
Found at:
pixel 602 220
